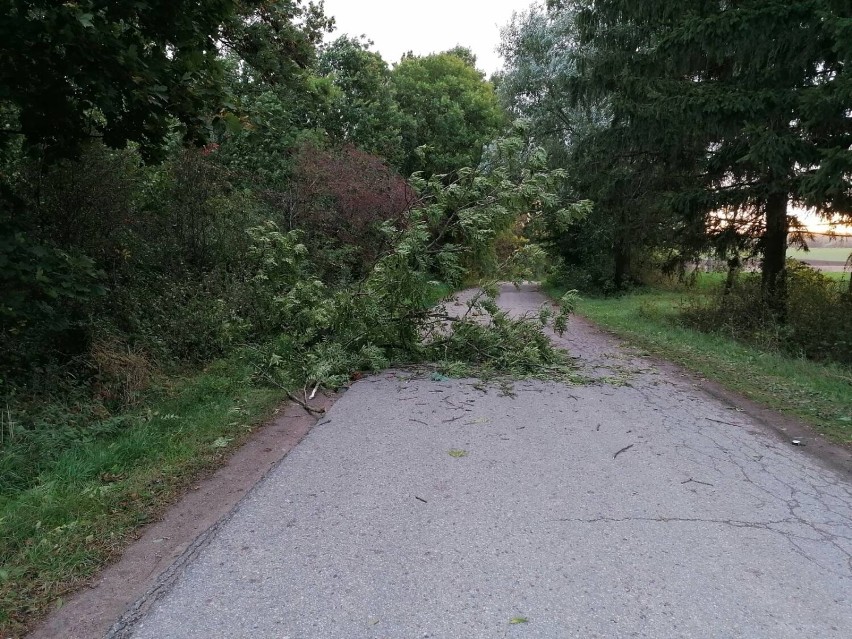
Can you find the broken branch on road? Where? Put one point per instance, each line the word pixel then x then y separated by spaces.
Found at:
pixel 626 448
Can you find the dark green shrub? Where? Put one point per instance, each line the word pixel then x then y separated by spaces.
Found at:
pixel 48 298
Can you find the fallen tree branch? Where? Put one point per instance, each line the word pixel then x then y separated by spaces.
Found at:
pixel 626 448
pixel 310 409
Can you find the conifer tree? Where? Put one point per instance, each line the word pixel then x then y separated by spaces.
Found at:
pixel 759 90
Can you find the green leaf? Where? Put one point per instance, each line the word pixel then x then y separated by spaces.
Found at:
pixel 86 19
pixel 221 442
pixel 232 123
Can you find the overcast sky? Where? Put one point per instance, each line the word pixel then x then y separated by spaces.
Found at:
pixel 428 26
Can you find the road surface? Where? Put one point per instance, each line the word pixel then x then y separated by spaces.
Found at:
pixel 632 506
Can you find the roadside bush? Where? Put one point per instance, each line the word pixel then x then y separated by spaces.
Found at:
pixel 192 217
pixel 818 323
pixel 584 255
pixel 85 205
pixel 342 199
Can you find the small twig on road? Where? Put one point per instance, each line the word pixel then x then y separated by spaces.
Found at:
pixel 452 419
pixel 695 481
pixel 626 448
pixel 721 421
pixel 420 499
pixel 293 398
pixel 419 421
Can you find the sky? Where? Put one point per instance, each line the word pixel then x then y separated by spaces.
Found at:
pixel 398 26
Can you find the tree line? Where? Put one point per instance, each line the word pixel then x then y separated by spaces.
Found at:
pixel 694 126
pixel 139 140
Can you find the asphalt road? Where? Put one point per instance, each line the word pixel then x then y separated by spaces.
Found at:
pixel 634 506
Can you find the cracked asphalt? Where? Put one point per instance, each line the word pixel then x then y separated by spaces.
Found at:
pixel 633 506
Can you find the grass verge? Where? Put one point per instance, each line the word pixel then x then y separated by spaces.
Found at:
pixel 73 496
pixel 84 509
pixel 819 394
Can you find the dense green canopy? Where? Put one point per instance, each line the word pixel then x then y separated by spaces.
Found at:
pixel 127 70
pixel 448 106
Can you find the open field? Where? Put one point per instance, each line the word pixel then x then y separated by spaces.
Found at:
pixel 829 254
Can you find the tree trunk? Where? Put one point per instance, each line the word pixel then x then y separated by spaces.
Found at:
pixel 733 270
pixel 621 251
pixel 622 263
pixel 775 254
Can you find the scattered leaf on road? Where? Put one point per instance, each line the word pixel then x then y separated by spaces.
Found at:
pixel 455 452
pixel 517 620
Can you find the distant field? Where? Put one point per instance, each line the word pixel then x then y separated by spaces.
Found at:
pixel 822 254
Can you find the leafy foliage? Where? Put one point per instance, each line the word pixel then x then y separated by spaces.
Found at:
pixel 47 296
pixel 346 200
pixel 744 82
pixel 364 110
pixel 386 317
pixel 543 85
pixel 276 40
pixel 119 69
pixel 692 125
pixel 128 71
pixel 448 107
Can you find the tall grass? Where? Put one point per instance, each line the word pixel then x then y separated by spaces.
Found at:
pixel 61 524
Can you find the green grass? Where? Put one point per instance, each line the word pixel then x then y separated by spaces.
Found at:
pixel 438 291
pixel 82 510
pixel 709 281
pixel 819 394
pixel 827 254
